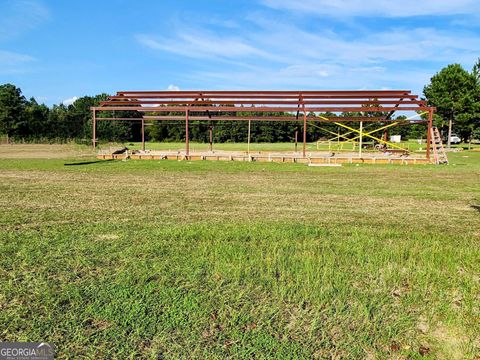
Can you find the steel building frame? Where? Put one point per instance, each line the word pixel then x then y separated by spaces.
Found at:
pixel 309 103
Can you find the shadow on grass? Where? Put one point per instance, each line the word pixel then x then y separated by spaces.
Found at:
pixel 476 207
pixel 88 162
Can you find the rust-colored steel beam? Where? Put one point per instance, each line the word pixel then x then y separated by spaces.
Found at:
pixel 259 118
pixel 126 119
pixel 204 93
pixel 261 109
pixel 263 102
pixel 264 118
pixel 258 96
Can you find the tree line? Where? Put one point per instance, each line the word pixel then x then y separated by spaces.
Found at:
pixel 24 119
pixel 454 91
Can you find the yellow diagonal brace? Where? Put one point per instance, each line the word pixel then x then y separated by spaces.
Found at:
pixel 370 136
pixel 336 135
pixel 331 132
pixel 380 128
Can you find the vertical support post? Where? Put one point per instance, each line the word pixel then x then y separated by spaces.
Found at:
pixel 187 145
pixel 94 129
pixel 449 133
pixel 304 132
pixel 249 134
pixel 360 140
pixel 143 134
pixel 210 147
pixel 296 139
pixel 429 132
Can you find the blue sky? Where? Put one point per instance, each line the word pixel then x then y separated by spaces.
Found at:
pixel 56 50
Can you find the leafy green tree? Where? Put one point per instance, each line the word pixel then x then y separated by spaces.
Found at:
pixel 34 123
pixel 475 116
pixel 476 133
pixel 453 92
pixel 79 117
pixel 12 106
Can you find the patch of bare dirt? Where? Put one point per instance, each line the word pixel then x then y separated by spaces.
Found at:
pixel 43 151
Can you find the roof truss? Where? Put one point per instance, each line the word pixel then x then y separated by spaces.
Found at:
pixel 338 101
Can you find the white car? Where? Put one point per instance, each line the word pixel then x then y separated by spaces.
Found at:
pixel 454 139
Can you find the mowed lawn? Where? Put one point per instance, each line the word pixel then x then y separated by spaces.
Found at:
pixel 167 259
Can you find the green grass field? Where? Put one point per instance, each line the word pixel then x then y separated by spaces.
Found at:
pixel 167 259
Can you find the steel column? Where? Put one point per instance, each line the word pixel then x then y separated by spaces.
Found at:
pixel 304 132
pixel 187 145
pixel 94 129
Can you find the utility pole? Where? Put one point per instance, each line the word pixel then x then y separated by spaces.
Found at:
pixel 449 132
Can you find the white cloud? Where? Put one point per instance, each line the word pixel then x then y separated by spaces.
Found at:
pixel 172 87
pixel 69 101
pixel 203 44
pixel 275 52
pixel 12 63
pixel 308 70
pixel 394 44
pixel 20 16
pixel 8 58
pixel 371 8
pixel 301 77
pixel 289 45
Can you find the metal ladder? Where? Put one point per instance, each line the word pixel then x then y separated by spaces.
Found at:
pixel 439 154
